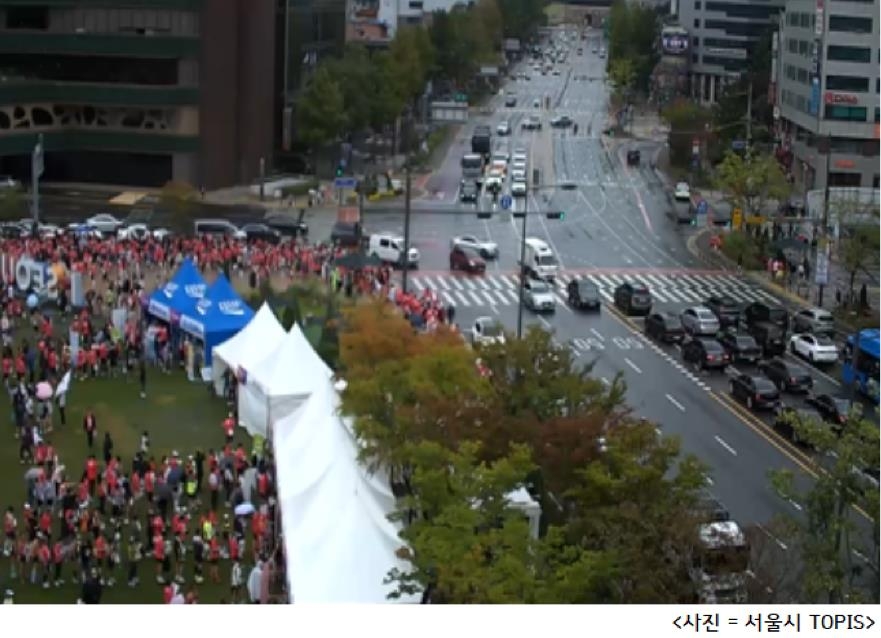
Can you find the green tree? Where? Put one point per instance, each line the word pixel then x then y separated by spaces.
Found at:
pixel 388 100
pixel 687 122
pixel 322 110
pixel 858 251
pixel 751 182
pixel 839 551
pixel 358 78
pixel 622 75
pixel 12 203
pixel 411 58
pixel 522 18
pixel 633 31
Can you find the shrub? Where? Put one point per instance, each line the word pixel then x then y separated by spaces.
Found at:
pixel 744 249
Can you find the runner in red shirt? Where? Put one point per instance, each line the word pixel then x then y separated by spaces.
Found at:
pixel 92 474
pixel 214 558
pixel 159 555
pixel 44 553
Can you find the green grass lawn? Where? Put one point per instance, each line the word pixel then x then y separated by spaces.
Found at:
pixel 179 416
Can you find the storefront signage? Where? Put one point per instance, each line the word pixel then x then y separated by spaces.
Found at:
pixel 736 54
pixel 674 43
pixel 840 98
pixel 844 163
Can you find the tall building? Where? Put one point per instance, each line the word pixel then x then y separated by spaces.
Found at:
pixel 723 35
pixel 375 22
pixel 827 89
pixel 138 92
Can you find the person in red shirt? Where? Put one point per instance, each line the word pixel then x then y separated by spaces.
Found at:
pixel 44 554
pixel 100 555
pixel 229 425
pixel 149 484
pixel 214 559
pixel 46 523
pixel 92 473
pixel 159 555
pixel 58 559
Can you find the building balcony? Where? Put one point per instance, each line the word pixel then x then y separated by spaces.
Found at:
pixel 143 46
pixel 369 34
pixel 21 142
pixel 22 91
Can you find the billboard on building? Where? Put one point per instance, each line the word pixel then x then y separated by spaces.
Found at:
pixel 674 41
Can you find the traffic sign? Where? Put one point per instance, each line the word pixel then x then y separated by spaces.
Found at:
pixel 738 145
pixel 345 182
pixel 506 202
pixel 702 207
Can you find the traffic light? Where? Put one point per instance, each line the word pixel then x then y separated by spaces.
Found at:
pixel 484 214
pixel 556 214
pixel 340 169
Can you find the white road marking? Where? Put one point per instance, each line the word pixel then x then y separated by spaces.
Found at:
pixel 597 334
pixel 676 403
pixel 779 542
pixel 795 505
pixel 709 481
pixel 605 381
pixel 632 365
pixel 722 442
pixel 544 322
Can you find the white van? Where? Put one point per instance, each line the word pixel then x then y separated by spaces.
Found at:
pixel 390 248
pixel 540 260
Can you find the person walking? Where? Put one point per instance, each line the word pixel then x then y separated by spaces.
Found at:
pixel 90 425
pixel 62 404
pixel 255 579
pixel 108 448
pixel 236 580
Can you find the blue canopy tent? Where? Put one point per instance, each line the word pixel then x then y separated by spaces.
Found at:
pixel 216 317
pixel 179 295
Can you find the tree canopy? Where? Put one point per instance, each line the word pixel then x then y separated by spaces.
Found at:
pixel 633 31
pixel 750 182
pixel 458 443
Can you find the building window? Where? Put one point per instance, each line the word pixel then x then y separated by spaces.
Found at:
pixel 847 83
pixel 803 47
pixel 695 59
pixel 876 115
pixel 806 20
pixel 848 54
pixel 29 18
pixel 756 12
pixel 850 24
pixel 697 23
pixel 845 113
pixel 695 41
pixel 416 4
pixel 697 5
pixel 747 29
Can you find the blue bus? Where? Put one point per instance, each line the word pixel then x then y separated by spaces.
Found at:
pixel 861 362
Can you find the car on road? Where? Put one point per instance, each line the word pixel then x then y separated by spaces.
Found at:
pixel 756 391
pixel 519 156
pixel 518 188
pixel 704 353
pixel 105 223
pixel 504 128
pixel 487 331
pixel 699 320
pixel 814 348
pixel 349 234
pixel 759 311
pixel 682 192
pixel 12 230
pixel 740 347
pixel 536 103
pixel 633 298
pixel 511 100
pixel 770 338
pixel 390 249
pixel 583 295
pixel 602 53
pixel 261 232
pixel 814 320
pixel 593 49
pixel 787 376
pixel 217 227
pixel 485 248
pixel 141 232
pixel 726 309
pixel 538 296
pixel 633 157
pixel 531 123
pixel 833 409
pixel 665 327
pixel 518 173
pixel 469 191
pixel 555 72
pixel 286 224
pixel 561 121
pixel 494 181
pixel 787 415
pixel 467 260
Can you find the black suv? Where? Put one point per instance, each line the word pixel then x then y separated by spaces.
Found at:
pixel 469 191
pixel 261 232
pixel 726 309
pixel 705 353
pixel 633 299
pixel 347 234
pixel 759 311
pixel 769 336
pixel 664 326
pixel 583 294
pixel 787 376
pixel 832 409
pixel 755 391
pixel 287 225
pixel 740 347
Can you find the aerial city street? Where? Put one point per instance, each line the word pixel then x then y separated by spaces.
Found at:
pixel 615 289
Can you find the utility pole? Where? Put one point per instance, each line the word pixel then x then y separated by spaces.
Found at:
pixel 749 114
pixel 36 172
pixel 406 257
pixel 520 300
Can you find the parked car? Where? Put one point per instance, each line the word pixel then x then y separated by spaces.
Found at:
pixel 633 298
pixel 261 232
pixel 503 128
pixel 8 182
pixel 783 421
pixel 756 391
pixel 511 100
pixel 531 123
pixel 633 157
pixel 469 191
pixel 487 330
pixel 286 224
pixel 726 309
pixel 583 294
pixel 664 326
pixel 770 338
pixel 217 227
pixel 704 353
pixel 786 375
pixel 740 347
pixel 348 234
pixel 141 232
pixel 814 348
pixel 832 409
pixel 485 248
pixel 759 311
pixel 682 192
pixel 699 320
pixel 814 320
pixel 561 121
pixel 105 223
pixel 538 296
pixel 466 259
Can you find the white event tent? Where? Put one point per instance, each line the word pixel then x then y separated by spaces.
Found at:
pixel 249 346
pixel 339 542
pixel 275 386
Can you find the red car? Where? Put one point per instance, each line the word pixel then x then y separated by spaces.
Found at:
pixel 462 258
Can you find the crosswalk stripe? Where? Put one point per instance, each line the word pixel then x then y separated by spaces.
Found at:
pixel 688 280
pixel 469 283
pixel 595 282
pixel 616 280
pixel 606 295
pixel 656 283
pixel 418 283
pixel 462 298
pixel 737 295
pixel 448 300
pixel 674 295
pixel 488 297
pixel 442 281
pixel 502 296
pixel 482 283
pixel 456 283
pixel 659 294
pixel 607 283
pixel 477 299
pixel 510 281
pixel 560 300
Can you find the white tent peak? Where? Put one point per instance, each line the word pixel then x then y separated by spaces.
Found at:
pixel 249 346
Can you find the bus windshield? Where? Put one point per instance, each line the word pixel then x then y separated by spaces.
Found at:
pixel 861 362
pixel 472 161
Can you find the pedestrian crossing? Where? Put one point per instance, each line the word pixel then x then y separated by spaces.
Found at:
pixel 667 288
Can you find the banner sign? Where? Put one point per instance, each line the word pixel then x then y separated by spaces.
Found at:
pixel 192 326
pixel 31 276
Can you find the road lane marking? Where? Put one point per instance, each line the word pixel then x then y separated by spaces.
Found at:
pixel 544 322
pixel 722 442
pixel 709 481
pixel 597 334
pixel 632 365
pixel 605 381
pixel 795 505
pixel 779 542
pixel 676 403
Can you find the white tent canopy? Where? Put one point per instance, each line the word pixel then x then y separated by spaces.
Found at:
pixel 339 542
pixel 249 346
pixel 275 386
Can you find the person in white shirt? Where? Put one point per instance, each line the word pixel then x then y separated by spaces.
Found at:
pixel 254 583
pixel 235 582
